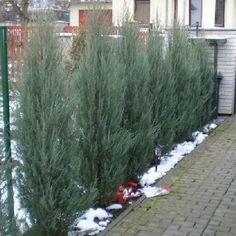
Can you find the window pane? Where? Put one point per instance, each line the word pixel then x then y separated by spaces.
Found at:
pixel 195 12
pixel 220 13
pixel 142 12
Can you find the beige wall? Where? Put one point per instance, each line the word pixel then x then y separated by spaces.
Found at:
pixel 158 11
pixel 74 10
pixel 208 13
pixel 121 9
pixel 74 15
pixel 163 10
pixel 183 11
pixel 230 14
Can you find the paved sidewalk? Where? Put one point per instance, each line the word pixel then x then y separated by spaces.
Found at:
pixel 203 196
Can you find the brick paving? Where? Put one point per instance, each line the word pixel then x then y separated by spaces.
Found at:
pixel 203 196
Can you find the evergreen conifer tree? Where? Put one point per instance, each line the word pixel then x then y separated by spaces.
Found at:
pixel 192 82
pixel 99 91
pixel 162 90
pixel 3 221
pixel 184 74
pixel 138 109
pixel 48 171
pixel 206 82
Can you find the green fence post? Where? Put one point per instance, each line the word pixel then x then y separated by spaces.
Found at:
pixel 6 118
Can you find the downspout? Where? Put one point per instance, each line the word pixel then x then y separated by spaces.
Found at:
pixel 217 79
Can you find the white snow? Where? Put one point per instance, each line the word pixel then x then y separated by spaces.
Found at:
pixel 212 126
pixel 171 159
pixel 98 213
pixel 87 225
pixel 153 191
pixel 114 207
pixel 104 223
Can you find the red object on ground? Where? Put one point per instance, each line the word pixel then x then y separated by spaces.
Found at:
pixel 125 193
pixel 133 186
pixel 120 195
pixel 166 188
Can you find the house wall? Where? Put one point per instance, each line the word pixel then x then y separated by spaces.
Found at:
pixel 74 15
pixel 183 11
pixel 163 10
pixel 121 9
pixel 158 12
pixel 226 66
pixel 74 10
pixel 230 11
pixel 208 13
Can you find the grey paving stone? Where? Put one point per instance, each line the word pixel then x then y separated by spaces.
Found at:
pixel 203 201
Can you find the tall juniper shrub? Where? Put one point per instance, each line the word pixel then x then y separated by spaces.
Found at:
pixel 137 107
pixel 161 90
pixel 99 92
pixel 188 73
pixel 48 171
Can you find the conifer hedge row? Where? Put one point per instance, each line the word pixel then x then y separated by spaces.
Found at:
pixel 162 93
pixel 80 138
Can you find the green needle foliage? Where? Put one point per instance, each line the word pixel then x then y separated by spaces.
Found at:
pixel 3 221
pixel 137 109
pixel 192 78
pixel 99 92
pixel 162 90
pixel 205 108
pixel 132 97
pixel 48 171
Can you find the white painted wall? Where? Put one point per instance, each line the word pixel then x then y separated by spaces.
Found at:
pixel 183 11
pixel 158 12
pixel 230 14
pixel 121 9
pixel 163 10
pixel 208 13
pixel 74 10
pixel 74 15
pixel 227 65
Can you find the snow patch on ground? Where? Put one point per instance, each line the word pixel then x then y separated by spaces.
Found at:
pixel 169 160
pixel 114 207
pixel 98 213
pixel 92 222
pixel 150 191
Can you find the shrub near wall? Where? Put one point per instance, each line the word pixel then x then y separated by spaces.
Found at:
pixel 189 78
pixel 161 90
pixel 137 107
pixel 132 97
pixel 206 74
pixel 48 176
pixel 99 94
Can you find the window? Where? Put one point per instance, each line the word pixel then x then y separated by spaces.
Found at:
pixel 220 13
pixel 142 11
pixel 195 12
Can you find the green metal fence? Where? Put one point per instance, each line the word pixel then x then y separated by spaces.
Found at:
pixel 6 129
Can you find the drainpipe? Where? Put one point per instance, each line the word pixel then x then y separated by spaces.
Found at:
pixel 217 79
